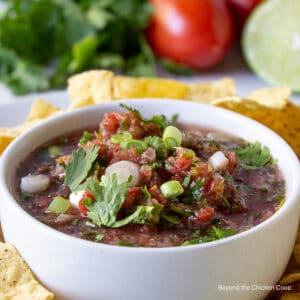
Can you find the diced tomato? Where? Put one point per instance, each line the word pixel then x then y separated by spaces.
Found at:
pixel 131 197
pixel 183 163
pixel 203 169
pixel 153 188
pixel 204 215
pixel 111 122
pixel 82 208
pixel 214 189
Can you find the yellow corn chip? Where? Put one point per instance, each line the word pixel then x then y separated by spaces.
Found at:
pixel 91 87
pixel 102 86
pixel 275 97
pixel 5 138
pixel 208 91
pixel 16 279
pixel 290 278
pixel 128 87
pixel 40 110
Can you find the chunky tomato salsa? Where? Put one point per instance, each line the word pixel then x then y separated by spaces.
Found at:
pixel 152 182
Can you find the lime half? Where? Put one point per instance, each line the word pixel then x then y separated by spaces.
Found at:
pixel 271 42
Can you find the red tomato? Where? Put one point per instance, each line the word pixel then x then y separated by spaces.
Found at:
pixel 205 215
pixel 241 9
pixel 81 206
pixel 183 163
pixel 197 33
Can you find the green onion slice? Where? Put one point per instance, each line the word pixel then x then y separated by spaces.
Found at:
pixel 171 189
pixel 172 137
pixel 59 205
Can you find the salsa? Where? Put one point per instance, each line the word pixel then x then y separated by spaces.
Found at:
pixel 133 181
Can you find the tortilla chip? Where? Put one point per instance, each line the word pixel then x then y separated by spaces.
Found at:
pixel 16 279
pixel 31 290
pixel 290 278
pixel 102 86
pixel 290 296
pixel 129 87
pixel 5 139
pixel 275 97
pixel 285 121
pixel 91 87
pixel 208 91
pixel 40 110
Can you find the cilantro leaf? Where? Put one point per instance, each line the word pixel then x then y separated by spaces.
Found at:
pixel 133 110
pixel 79 166
pixel 109 199
pixel 160 120
pixel 253 156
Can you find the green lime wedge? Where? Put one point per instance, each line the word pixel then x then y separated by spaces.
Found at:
pixel 271 42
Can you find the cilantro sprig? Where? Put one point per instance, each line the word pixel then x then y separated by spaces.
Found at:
pixel 253 156
pixel 160 120
pixel 78 167
pixel 110 197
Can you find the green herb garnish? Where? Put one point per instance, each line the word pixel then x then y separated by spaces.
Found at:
pixel 158 145
pixel 99 237
pixel 174 117
pixel 78 167
pixel 180 211
pixel 26 195
pixel 214 234
pixel 86 137
pixel 173 219
pixel 109 199
pixel 253 156
pixel 160 120
pixel 196 190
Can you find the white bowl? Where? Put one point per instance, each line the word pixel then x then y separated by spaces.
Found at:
pixel 244 266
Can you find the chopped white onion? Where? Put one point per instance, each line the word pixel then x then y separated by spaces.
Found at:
pixel 123 169
pixel 218 160
pixel 75 197
pixel 34 183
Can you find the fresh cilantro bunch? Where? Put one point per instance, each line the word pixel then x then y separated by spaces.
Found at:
pixel 42 42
